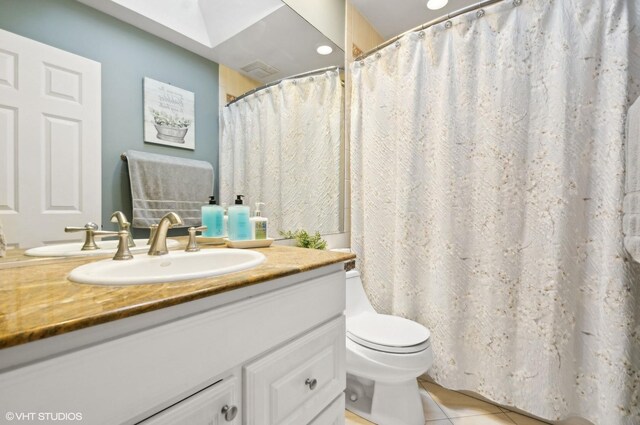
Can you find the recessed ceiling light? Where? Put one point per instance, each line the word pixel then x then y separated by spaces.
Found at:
pixel 324 50
pixel 436 4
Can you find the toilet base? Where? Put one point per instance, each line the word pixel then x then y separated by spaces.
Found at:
pixel 384 403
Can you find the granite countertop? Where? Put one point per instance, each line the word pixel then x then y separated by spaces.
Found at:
pixel 37 301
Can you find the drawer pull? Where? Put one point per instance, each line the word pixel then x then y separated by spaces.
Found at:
pixel 311 383
pixel 229 412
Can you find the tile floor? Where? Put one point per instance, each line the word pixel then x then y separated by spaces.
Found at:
pixel 446 407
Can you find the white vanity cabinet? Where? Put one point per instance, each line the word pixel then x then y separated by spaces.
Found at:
pixel 215 405
pixel 265 354
pixel 294 383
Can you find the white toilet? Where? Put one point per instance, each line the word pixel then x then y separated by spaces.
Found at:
pixel 385 355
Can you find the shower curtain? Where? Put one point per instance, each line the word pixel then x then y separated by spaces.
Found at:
pixel 282 146
pixel 487 177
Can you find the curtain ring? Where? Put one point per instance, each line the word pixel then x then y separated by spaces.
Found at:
pixel 480 13
pixel 310 78
pixel 448 24
pixel 378 55
pixel 421 34
pixel 517 3
pixel 397 44
pixel 361 63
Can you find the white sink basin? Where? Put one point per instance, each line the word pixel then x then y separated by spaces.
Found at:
pixel 177 265
pixel 75 248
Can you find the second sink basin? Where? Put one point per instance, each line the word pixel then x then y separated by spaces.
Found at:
pixel 177 265
pixel 74 249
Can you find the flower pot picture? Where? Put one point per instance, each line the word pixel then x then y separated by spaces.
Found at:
pixel 168 115
pixel 170 128
pixel 171 134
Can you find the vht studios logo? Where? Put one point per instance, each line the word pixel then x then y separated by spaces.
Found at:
pixel 43 416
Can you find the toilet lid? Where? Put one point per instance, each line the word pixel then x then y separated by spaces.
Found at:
pixel 391 334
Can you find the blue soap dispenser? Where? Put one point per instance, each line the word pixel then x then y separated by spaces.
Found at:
pixel 239 225
pixel 213 218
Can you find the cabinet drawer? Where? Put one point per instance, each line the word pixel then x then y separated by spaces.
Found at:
pixel 205 407
pixel 332 415
pixel 296 382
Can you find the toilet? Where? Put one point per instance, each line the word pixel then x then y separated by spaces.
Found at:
pixel 385 355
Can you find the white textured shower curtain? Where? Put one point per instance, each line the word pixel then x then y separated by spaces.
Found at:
pixel 487 178
pixel 282 146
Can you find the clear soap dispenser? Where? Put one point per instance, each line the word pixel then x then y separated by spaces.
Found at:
pixel 259 224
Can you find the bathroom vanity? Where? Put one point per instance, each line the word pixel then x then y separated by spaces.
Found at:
pixel 263 346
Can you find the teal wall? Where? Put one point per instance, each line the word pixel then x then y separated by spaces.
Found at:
pixel 127 54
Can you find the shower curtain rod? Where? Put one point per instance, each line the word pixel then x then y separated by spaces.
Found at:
pixel 431 23
pixel 273 83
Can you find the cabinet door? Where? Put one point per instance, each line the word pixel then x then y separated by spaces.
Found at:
pixel 332 415
pixel 296 382
pixel 215 405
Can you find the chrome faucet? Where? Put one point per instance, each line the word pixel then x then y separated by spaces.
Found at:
pixel 159 241
pixel 123 225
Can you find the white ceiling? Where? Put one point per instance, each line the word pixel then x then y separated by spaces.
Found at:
pixel 391 18
pixel 235 33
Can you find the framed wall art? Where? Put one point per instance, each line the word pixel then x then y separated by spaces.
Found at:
pixel 169 115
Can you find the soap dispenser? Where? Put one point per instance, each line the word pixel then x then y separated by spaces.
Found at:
pixel 239 225
pixel 213 218
pixel 259 224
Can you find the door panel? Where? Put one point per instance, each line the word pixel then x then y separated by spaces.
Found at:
pixel 50 141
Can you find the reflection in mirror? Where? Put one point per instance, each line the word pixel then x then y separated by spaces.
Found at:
pixel 282 146
pixel 193 38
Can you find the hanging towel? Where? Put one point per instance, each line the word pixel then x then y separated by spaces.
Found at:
pixel 631 204
pixel 161 183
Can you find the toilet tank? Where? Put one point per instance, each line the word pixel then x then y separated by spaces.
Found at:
pixel 357 301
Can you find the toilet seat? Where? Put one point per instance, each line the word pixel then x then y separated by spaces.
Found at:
pixel 390 334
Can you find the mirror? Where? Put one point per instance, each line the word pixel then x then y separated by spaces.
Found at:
pixel 283 147
pixel 283 144
pixel 241 38
pixel 257 49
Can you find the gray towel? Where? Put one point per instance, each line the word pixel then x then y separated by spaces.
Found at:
pixel 631 204
pixel 161 183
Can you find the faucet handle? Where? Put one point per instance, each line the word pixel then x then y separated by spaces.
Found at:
pixel 89 242
pixel 152 232
pixel 123 252
pixel 123 224
pixel 192 245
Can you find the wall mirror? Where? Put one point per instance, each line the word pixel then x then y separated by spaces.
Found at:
pixel 258 43
pixel 258 40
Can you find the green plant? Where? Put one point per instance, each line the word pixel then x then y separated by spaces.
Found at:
pixel 305 240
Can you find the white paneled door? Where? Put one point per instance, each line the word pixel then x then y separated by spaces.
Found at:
pixel 50 141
